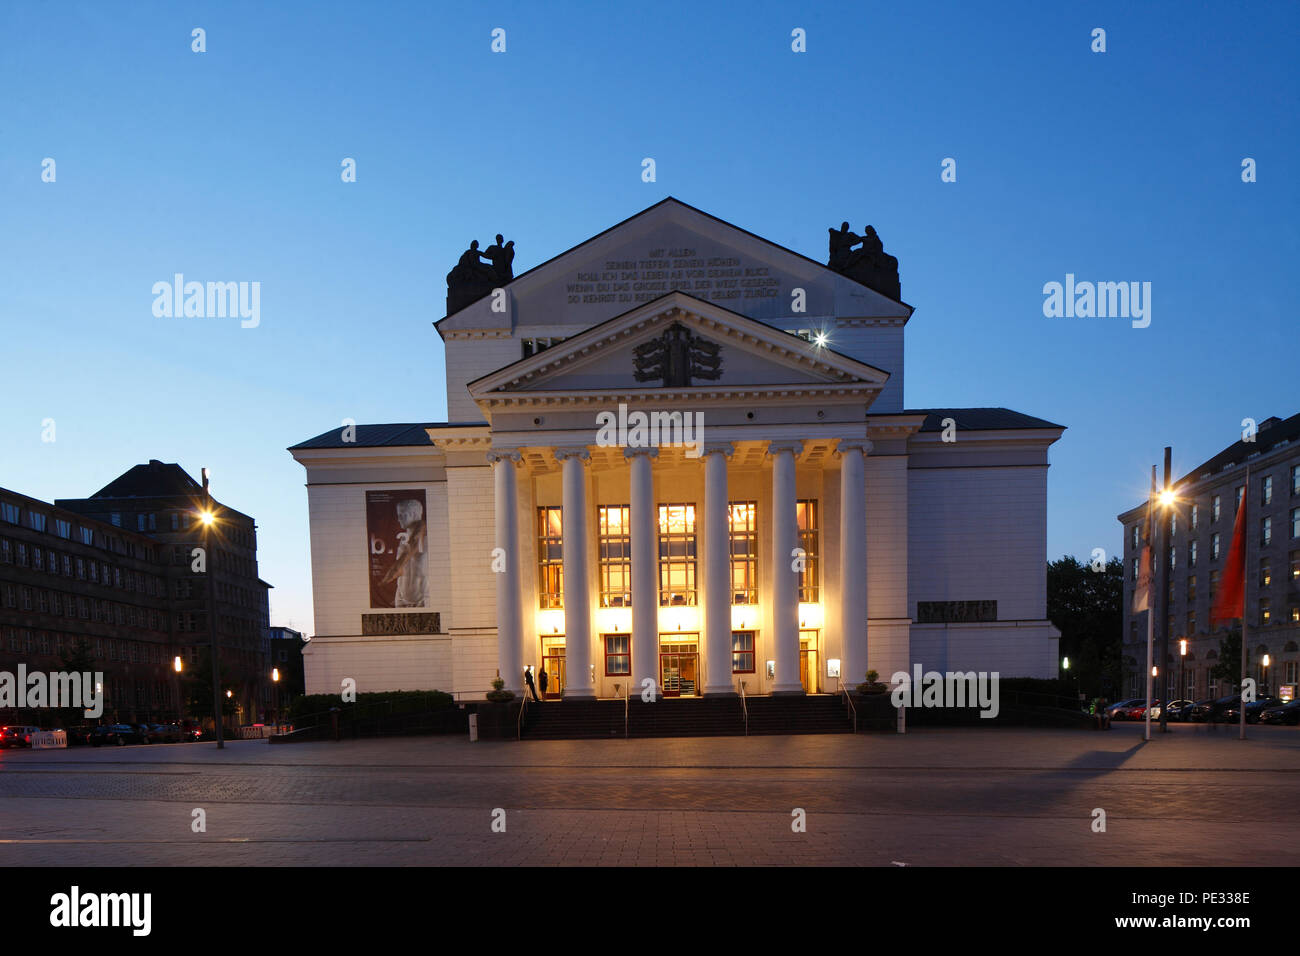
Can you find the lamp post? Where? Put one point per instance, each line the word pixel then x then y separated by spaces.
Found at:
pixel 1264 662
pixel 1182 663
pixel 208 520
pixel 176 668
pixel 275 683
pixel 1167 501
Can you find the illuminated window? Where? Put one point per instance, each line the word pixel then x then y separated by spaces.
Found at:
pixel 744 552
pixel 742 652
pixel 1265 572
pixel 618 658
pixel 809 541
pixel 615 556
pixel 677 555
pixel 550 558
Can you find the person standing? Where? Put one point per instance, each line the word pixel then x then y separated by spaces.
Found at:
pixel 543 680
pixel 528 679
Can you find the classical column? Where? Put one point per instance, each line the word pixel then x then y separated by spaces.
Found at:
pixel 717 572
pixel 645 568
pixel 505 562
pixel 577 597
pixel 785 580
pixel 853 559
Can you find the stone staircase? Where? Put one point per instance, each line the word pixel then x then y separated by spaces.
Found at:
pixel 686 717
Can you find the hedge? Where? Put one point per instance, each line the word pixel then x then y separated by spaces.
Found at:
pixel 385 702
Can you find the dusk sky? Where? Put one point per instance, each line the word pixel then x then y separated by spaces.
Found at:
pixel 225 166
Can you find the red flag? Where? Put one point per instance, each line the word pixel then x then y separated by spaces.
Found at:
pixel 1230 602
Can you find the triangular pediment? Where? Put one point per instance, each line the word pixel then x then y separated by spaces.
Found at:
pixel 672 247
pixel 647 349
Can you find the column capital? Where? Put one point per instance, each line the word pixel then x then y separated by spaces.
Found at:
pixel 580 452
pixel 776 447
pixel 631 452
pixel 718 448
pixel 504 454
pixel 863 445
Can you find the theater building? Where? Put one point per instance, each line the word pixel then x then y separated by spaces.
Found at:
pixel 678 452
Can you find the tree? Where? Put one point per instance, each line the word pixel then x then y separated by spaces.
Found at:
pixel 1228 667
pixel 79 658
pixel 1087 607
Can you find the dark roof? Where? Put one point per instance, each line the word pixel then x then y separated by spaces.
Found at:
pixel 979 419
pixel 1271 432
pixel 154 480
pixel 674 199
pixel 377 436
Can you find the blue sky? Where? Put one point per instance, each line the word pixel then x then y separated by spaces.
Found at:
pixel 1115 166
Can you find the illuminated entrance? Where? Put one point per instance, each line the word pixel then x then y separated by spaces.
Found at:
pixel 679 664
pixel 808 661
pixel 553 665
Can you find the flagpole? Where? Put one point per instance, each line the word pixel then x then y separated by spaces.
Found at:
pixel 1151 611
pixel 1245 571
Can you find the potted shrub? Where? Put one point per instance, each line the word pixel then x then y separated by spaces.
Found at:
pixel 497 694
pixel 872 684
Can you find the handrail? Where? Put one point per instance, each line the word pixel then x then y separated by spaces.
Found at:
pixel 519 724
pixel 625 703
pixel 848 699
pixel 744 707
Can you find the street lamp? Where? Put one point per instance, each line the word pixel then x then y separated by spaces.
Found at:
pixel 1182 664
pixel 176 664
pixel 207 519
pixel 1265 662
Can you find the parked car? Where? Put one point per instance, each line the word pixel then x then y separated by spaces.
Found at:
pixel 119 734
pixel 1119 709
pixel 1288 713
pixel 1232 713
pixel 78 734
pixel 1140 711
pixel 1177 709
pixel 17 735
pixel 1212 709
pixel 164 734
pixel 191 730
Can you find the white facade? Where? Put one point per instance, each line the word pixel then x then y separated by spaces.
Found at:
pixel 902 522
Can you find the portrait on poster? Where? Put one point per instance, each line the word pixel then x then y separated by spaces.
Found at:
pixel 398 546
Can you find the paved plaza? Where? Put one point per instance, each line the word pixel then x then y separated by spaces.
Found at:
pixel 1196 795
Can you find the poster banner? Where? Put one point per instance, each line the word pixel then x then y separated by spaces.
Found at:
pixel 398 545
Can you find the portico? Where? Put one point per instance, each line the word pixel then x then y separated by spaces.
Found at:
pixel 659 571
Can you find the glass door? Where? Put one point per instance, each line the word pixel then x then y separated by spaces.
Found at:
pixel 808 661
pixel 679 661
pixel 553 667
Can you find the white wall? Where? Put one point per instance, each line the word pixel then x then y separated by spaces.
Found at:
pixel 981 534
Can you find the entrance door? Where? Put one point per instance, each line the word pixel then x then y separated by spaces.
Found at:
pixel 808 661
pixel 553 665
pixel 679 661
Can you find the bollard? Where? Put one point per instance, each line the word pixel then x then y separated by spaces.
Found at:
pixel 334 721
pixel 902 720
pixel 473 728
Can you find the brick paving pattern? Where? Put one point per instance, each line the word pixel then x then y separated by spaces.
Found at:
pixel 996 797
